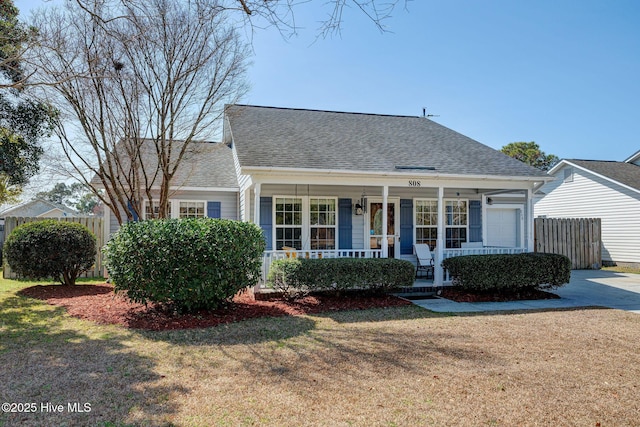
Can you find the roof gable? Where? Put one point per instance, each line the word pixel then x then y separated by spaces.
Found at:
pixel 268 137
pixel 627 174
pixel 635 158
pixel 35 208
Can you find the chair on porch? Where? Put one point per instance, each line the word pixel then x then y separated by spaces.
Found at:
pixel 290 252
pixel 425 259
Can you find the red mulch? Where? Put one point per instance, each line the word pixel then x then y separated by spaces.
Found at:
pixel 98 303
pixel 461 295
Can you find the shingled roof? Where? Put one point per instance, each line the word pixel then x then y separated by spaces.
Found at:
pixel 268 137
pixel 210 165
pixel 622 172
pixel 205 164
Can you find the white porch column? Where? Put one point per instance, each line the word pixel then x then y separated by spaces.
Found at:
pixel 529 220
pixel 385 242
pixel 256 203
pixel 437 271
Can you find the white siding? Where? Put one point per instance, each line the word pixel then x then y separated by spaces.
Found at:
pixel 357 231
pixel 589 196
pixel 244 182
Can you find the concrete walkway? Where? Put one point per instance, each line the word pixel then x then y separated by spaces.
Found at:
pixel 587 288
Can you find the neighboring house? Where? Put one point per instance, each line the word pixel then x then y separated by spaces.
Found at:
pixel 38 208
pixel 34 208
pixel 608 190
pixel 362 185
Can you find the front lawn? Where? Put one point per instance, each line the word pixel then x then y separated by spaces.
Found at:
pixel 395 366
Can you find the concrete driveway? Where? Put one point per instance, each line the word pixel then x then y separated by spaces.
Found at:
pixel 587 288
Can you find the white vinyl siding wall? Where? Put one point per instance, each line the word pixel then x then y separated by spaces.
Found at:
pixel 589 196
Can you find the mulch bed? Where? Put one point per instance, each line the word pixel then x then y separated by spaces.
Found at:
pixel 99 304
pixel 461 295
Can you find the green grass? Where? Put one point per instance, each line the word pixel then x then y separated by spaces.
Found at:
pixel 623 269
pixel 395 366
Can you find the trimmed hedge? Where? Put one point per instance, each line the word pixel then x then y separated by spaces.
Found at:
pixel 298 276
pixel 513 271
pixel 191 264
pixel 50 248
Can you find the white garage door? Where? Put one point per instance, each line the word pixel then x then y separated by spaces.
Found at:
pixel 502 227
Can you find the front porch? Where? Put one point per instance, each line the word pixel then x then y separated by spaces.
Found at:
pixel 445 280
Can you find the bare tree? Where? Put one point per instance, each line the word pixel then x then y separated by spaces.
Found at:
pixel 140 80
pixel 281 13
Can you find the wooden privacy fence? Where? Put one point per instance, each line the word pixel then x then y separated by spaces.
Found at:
pixel 577 238
pixel 92 223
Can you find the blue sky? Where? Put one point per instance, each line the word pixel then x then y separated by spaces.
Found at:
pixel 565 74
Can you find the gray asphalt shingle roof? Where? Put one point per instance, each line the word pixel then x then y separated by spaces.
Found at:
pixel 205 164
pixel 312 139
pixel 624 173
pixel 210 165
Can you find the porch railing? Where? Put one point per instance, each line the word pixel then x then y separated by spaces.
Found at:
pixel 269 256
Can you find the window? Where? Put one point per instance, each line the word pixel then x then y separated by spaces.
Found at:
pixel 456 222
pixel 192 210
pixel 288 222
pixel 426 222
pixel 149 213
pixel 322 219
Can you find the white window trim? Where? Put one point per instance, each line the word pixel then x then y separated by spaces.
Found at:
pixel 156 201
pixel 334 226
pixel 415 212
pixel 175 213
pixel 444 212
pixel 305 235
pixel 175 206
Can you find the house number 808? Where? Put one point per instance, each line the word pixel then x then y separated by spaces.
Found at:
pixel 414 183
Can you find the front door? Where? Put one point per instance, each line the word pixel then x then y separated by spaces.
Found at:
pixel 375 226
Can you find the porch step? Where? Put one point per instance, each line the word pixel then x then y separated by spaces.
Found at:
pixel 417 292
pixel 417 289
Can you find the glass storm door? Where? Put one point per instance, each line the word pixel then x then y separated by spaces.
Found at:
pixel 375 226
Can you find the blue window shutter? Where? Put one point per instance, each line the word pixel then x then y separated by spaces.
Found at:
pixel 133 212
pixel 266 221
pixel 475 221
pixel 406 226
pixel 214 209
pixel 344 224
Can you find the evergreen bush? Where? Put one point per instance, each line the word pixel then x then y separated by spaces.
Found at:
pixel 190 264
pixel 296 276
pixel 509 271
pixel 50 248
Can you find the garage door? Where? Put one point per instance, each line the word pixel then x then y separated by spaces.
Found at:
pixel 502 227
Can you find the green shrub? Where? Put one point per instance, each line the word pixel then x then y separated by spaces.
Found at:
pixel 296 276
pixel 491 272
pixel 190 264
pixel 58 249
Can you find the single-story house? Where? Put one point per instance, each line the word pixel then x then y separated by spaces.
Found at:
pixel 336 184
pixel 609 190
pixel 34 208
